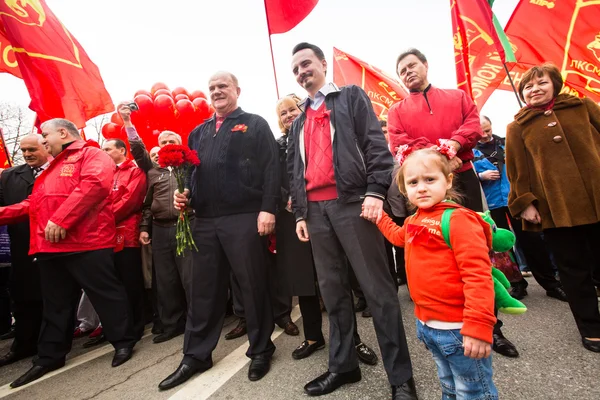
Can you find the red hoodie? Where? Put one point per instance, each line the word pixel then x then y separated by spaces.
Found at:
pixel 423 117
pixel 451 285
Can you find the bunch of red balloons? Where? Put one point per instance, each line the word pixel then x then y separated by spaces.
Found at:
pixel 162 109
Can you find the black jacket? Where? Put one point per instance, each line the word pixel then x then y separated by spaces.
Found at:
pixel 239 167
pixel 361 160
pixel 16 185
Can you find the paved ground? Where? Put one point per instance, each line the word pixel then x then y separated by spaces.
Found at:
pixel 553 366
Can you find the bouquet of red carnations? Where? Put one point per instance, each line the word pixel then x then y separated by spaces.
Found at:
pixel 179 159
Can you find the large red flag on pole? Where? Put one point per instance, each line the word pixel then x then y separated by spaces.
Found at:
pixel 61 79
pixel 282 16
pixel 8 61
pixel 5 161
pixel 382 89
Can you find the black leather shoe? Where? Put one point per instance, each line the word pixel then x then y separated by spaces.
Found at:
pixel 367 313
pixel 157 329
pixel 591 345
pixel 238 331
pixel 8 335
pixel 518 292
pixel 557 293
pixel 306 349
pixel 121 356
pixel 34 373
pixel 259 366
pixel 366 354
pixel 181 375
pixel 95 341
pixel 406 391
pixel 163 337
pixel 504 346
pixel 290 328
pixel 330 381
pixel 360 305
pixel 11 357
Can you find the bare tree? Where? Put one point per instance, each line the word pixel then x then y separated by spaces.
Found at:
pixel 94 127
pixel 16 121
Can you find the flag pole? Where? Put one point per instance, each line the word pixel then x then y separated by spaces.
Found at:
pixel 513 86
pixel 271 46
pixel 5 149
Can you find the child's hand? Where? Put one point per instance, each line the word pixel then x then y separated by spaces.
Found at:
pixel 475 348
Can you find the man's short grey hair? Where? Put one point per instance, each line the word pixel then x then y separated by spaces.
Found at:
pixel 164 134
pixel 225 73
pixel 61 123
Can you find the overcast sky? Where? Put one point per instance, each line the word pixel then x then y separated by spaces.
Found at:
pixel 136 43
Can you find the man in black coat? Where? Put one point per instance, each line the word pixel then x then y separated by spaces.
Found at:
pixel 16 185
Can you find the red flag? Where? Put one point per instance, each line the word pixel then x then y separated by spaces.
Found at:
pixel 382 89
pixel 283 15
pixel 5 161
pixel 8 60
pixel 61 79
pixel 475 38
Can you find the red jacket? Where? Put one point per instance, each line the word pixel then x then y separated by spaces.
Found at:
pixel 452 285
pixel 129 189
pixel 423 117
pixel 74 193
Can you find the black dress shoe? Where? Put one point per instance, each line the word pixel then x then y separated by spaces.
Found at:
pixel 360 305
pixel 8 335
pixel 518 292
pixel 34 373
pixel 181 375
pixel 95 341
pixel 330 381
pixel 591 345
pixel 238 331
pixel 557 293
pixel 366 354
pixel 121 356
pixel 11 357
pixel 504 346
pixel 259 366
pixel 406 391
pixel 367 313
pixel 306 349
pixel 157 329
pixel 163 337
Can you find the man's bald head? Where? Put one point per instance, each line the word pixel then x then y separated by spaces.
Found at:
pixel 34 151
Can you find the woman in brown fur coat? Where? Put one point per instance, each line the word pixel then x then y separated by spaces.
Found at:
pixel 553 164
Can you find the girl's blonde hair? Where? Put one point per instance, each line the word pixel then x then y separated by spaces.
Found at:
pixel 440 160
pixel 287 101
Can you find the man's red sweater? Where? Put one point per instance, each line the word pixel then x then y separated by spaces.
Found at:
pixel 319 175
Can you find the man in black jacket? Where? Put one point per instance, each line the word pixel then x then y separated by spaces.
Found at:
pixel 16 185
pixel 338 163
pixel 234 192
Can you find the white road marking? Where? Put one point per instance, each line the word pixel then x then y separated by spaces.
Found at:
pixel 202 387
pixel 75 362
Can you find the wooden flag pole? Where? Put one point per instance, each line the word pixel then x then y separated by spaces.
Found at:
pixel 513 86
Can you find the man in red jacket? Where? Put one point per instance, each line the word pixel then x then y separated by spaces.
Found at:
pixel 429 114
pixel 128 191
pixel 73 238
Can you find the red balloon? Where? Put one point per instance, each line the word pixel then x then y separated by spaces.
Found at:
pixel 147 93
pixel 185 116
pixel 179 90
pixel 157 86
pixel 116 119
pixel 111 131
pixel 160 92
pixel 181 97
pixel 202 106
pixel 164 112
pixel 197 94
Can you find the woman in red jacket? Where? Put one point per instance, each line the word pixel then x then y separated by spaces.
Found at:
pixel 452 288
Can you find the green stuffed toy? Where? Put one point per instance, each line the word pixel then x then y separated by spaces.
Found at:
pixel 502 240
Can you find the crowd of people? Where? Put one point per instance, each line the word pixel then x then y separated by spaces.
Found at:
pixel 342 205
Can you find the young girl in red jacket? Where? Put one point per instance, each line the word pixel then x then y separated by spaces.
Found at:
pixel 452 286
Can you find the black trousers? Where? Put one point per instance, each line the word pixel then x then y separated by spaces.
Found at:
pixel 576 252
pixel 400 262
pixel 281 304
pixel 467 184
pixel 5 308
pixel 170 271
pixel 312 319
pixel 128 263
pixel 227 243
pixel 534 249
pixel 338 233
pixel 62 279
pixel 28 320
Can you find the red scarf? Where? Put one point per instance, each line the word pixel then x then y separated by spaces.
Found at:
pixel 547 106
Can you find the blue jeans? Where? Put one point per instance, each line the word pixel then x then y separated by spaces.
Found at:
pixel 461 377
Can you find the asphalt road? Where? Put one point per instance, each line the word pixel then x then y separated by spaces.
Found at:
pixel 553 366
